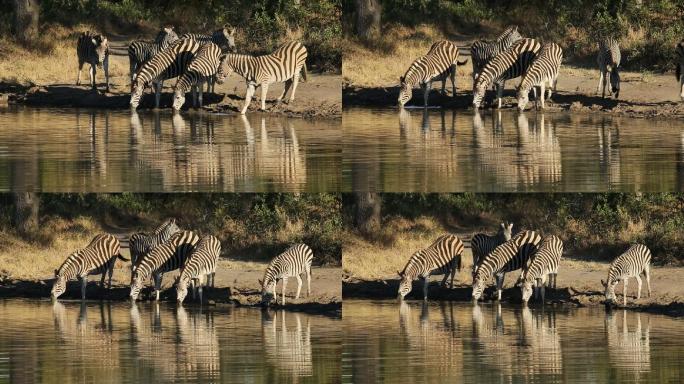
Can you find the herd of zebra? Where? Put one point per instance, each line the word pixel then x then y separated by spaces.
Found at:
pixel 508 57
pixel 167 249
pixel 537 256
pixel 195 59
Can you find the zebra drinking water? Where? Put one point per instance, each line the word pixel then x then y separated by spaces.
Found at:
pixel 141 243
pixel 294 262
pixel 482 244
pixel 542 266
pixel 483 51
pixel 200 268
pixel 608 62
pixel 93 49
pixel 635 261
pixel 542 72
pixel 203 66
pixel 224 38
pixel 140 51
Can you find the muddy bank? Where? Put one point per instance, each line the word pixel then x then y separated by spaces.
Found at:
pixel 319 97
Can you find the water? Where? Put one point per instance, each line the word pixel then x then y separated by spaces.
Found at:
pixel 72 150
pixel 454 151
pixel 449 342
pixel 120 343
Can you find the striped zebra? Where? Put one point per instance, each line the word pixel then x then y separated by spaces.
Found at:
pixel 203 66
pixel 167 64
pixel 679 51
pixel 509 256
pixel 140 51
pixel 483 51
pixel 543 265
pixel 93 49
pixel 284 64
pixel 482 244
pixel 509 64
pixel 224 38
pixel 199 268
pixel 608 60
pixel 542 72
pixel 440 62
pixel 635 261
pixel 294 262
pixel 96 258
pixel 141 243
pixel 166 257
pixel 442 257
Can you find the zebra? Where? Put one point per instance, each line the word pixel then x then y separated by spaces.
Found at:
pixel 608 60
pixel 98 257
pixel 482 244
pixel 167 64
pixel 483 51
pixel 140 51
pixel 635 261
pixel 679 51
pixel 93 49
pixel 295 261
pixel 199 268
pixel 440 62
pixel 509 256
pixel 542 265
pixel 201 68
pixel 141 243
pixel 224 38
pixel 509 64
pixel 284 64
pixel 166 257
pixel 543 70
pixel 442 257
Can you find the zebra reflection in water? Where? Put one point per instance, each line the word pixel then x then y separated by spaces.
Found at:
pixel 628 351
pixel 288 348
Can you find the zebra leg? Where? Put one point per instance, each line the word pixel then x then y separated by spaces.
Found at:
pixel 425 287
pixel 295 82
pixel 624 291
pixel 193 90
pixel 308 283
pixel 199 288
pixel 264 90
pixel 248 98
pixel 80 69
pixel 499 93
pixel 543 93
pixel 600 82
pixel 453 274
pixel 681 82
pixel 84 283
pixel 444 80
pixel 452 75
pixel 103 277
pixel 604 76
pixel 157 93
pixel 200 94
pixel 444 280
pixel 499 285
pixel 284 286
pixel 536 99
pixel 92 76
pixel 647 272
pixel 193 286
pixel 111 272
pixel 105 67
pixel 288 84
pixel 299 286
pixel 157 284
pixel 638 279
pixel 426 92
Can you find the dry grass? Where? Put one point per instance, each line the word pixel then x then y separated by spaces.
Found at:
pixel 51 60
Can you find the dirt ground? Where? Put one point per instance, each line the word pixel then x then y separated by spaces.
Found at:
pixel 579 284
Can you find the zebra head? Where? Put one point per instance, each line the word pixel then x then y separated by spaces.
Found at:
pixel 479 90
pixel 506 231
pixel 228 34
pixel 267 289
pixel 526 289
pixel 178 99
pixel 136 286
pixel 59 286
pixel 405 92
pixel 405 285
pixel 478 286
pixel 523 98
pixel 181 289
pixel 166 36
pixel 225 68
pixel 101 46
pixel 614 80
pixel 136 94
pixel 610 289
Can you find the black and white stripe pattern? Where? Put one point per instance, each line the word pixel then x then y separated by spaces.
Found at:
pixel 509 256
pixel 167 64
pixel 442 257
pixel 166 257
pixel 203 66
pixel 679 71
pixel 141 243
pixel 93 49
pixel 440 62
pixel 635 261
pixel 608 62
pixel 483 51
pixel 509 64
pixel 140 51
pixel 482 244
pixel 199 268
pixel 294 262
pixel 284 64
pixel 542 72
pixel 96 258
pixel 542 266
pixel 224 38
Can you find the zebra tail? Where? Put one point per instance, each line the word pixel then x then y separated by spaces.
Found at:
pixel 119 256
pixel 304 72
pixel 458 263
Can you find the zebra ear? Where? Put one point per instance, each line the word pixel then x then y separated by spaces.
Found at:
pixel 402 79
pixel 56 272
pixel 603 283
pixel 503 225
pixel 510 225
pixel 260 282
pixel 94 42
pixel 400 273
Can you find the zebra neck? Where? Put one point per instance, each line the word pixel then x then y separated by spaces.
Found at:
pixel 241 64
pixel 415 75
pixel 186 81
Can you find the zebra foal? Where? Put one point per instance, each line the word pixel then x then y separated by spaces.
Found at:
pixel 635 261
pixel 442 257
pixel 542 266
pixel 679 71
pixel 199 268
pixel 509 256
pixel 294 262
pixel 141 243
pixel 440 62
pixel 284 64
pixel 140 51
pixel 542 72
pixel 202 67
pixel 482 244
pixel 608 60
pixel 482 51
pixel 93 49
pixel 98 257
pixel 166 257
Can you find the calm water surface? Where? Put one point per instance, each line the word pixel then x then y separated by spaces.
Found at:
pixel 57 150
pixel 458 342
pixel 145 343
pixel 501 151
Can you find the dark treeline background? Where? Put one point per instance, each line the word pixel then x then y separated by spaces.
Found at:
pixel 263 24
pixel 250 226
pixel 649 29
pixel 594 226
